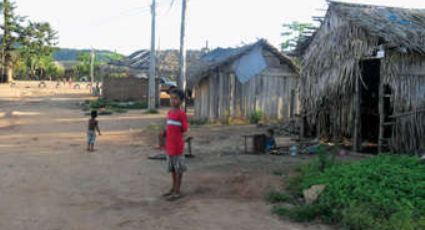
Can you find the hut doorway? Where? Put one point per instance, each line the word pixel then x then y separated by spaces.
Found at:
pixel 369 103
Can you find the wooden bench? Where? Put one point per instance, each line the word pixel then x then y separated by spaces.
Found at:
pixel 187 140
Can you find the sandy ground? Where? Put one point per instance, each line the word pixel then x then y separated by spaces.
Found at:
pixel 49 182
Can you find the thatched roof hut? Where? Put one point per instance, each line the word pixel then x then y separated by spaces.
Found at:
pixel 363 76
pixel 236 82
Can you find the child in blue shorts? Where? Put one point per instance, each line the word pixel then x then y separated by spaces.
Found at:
pixel 93 126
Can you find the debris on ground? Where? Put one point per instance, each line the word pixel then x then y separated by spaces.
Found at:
pixel 159 156
pixel 313 193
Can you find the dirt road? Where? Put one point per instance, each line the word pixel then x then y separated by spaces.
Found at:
pixel 49 182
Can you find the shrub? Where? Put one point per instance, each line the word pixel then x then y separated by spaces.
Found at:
pixel 256 116
pixel 384 192
pixel 302 213
pixel 276 197
pixel 114 106
pixel 151 111
pixel 193 121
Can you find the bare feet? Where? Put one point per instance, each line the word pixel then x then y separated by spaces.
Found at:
pixel 174 196
pixel 167 194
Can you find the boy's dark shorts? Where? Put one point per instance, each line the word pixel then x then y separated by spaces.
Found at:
pixel 176 164
pixel 91 137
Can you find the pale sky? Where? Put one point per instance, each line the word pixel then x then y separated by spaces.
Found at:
pixel 124 25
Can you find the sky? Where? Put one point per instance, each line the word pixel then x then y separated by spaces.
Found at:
pixel 124 25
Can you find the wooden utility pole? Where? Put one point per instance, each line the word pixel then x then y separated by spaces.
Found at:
pixel 152 90
pixel 92 57
pixel 181 83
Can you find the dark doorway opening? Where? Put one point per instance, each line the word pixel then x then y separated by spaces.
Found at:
pixel 369 104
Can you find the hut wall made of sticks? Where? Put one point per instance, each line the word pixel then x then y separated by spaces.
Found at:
pixel 220 95
pixel 405 74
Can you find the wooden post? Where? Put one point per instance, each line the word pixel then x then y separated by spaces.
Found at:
pixel 318 126
pixel 357 117
pixel 232 94
pixel 302 124
pixel 381 115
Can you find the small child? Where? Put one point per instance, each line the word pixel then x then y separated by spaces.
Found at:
pixel 93 126
pixel 177 125
pixel 270 141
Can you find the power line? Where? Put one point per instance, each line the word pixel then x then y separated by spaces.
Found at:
pixel 141 10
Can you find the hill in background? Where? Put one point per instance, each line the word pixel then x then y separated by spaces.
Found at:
pixel 66 54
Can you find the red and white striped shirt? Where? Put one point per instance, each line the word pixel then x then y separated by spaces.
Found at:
pixel 176 126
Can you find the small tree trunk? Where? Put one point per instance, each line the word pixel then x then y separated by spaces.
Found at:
pixel 9 75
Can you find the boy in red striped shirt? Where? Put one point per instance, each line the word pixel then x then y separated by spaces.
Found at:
pixel 176 126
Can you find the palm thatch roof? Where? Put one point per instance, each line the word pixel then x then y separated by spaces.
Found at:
pixel 222 56
pixel 397 27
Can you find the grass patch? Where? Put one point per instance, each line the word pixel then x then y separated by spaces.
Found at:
pixel 385 192
pixel 277 197
pixel 157 127
pixel 197 122
pixel 304 213
pixel 112 106
pixel 279 173
pixel 152 111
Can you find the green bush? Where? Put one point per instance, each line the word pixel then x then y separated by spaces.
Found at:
pixel 276 197
pixel 151 111
pixel 385 192
pixel 193 121
pixel 256 116
pixel 113 106
pixel 303 213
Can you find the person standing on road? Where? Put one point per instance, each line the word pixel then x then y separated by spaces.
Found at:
pixel 177 125
pixel 93 126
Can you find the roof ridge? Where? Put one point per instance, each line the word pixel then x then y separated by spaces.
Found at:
pixel 363 5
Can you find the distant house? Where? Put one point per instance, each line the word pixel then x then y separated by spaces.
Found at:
pixel 236 82
pixel 137 64
pixel 363 77
pixel 127 89
pixel 127 79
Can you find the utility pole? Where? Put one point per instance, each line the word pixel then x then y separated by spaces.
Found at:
pixel 181 83
pixel 92 57
pixel 152 90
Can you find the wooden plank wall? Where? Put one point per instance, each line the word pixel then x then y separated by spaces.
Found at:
pixel 220 94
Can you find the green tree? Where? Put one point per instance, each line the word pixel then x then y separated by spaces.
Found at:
pixel 36 47
pixel 292 34
pixel 24 44
pixel 114 56
pixel 12 32
pixel 52 70
pixel 83 68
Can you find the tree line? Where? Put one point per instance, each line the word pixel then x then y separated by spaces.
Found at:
pixel 26 46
